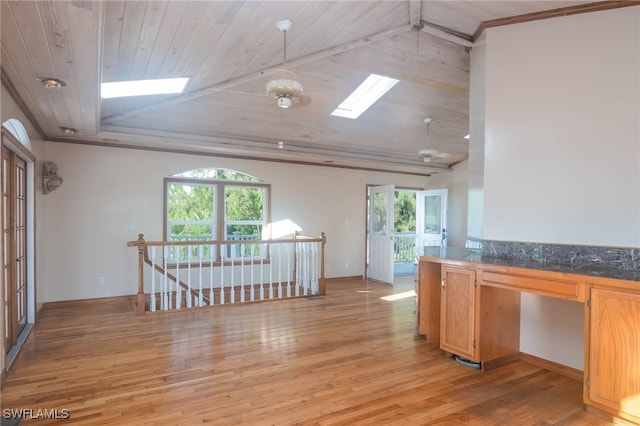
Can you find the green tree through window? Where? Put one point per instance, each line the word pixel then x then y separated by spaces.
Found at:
pixel 405 211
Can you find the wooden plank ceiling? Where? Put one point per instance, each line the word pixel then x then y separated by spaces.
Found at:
pixel 230 50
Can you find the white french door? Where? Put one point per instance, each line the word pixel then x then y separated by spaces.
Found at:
pixel 431 218
pixel 380 233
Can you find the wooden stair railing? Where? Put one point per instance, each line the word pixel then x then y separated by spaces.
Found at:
pixel 303 270
pixel 172 277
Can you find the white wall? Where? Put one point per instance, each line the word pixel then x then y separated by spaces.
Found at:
pixel 110 195
pixel 562 109
pixel 477 83
pixel 562 149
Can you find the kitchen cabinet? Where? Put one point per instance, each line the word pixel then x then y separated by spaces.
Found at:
pixel 479 318
pixel 613 358
pixel 457 316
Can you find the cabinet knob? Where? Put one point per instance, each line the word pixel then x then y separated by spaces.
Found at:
pixel 442 283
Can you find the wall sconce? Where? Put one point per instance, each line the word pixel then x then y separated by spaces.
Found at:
pixel 50 179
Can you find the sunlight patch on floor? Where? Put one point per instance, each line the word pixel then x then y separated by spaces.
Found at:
pixel 399 296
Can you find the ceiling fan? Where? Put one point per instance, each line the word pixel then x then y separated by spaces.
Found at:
pixel 430 154
pixel 287 92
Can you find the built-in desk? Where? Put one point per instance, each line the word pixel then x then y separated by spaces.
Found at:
pixel 470 306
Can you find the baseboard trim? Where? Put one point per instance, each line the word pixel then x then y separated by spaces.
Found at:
pixel 563 370
pixel 347 278
pixel 61 304
pixel 499 362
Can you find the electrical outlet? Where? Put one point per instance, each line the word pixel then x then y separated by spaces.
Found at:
pixel 102 280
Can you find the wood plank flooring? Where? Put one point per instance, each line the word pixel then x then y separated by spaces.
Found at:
pixel 349 357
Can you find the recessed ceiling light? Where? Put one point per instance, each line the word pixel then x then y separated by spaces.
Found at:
pixel 68 131
pixel 364 96
pixel 159 86
pixel 51 83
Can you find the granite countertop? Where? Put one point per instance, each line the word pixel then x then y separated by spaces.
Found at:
pixel 468 255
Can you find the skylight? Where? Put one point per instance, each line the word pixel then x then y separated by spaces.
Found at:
pixel 160 86
pixel 364 96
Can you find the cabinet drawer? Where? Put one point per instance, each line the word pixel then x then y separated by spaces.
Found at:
pixel 570 290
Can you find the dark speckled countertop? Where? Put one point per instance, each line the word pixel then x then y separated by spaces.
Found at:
pixel 466 255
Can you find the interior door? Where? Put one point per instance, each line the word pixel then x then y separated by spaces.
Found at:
pixel 380 233
pixel 14 239
pixel 431 218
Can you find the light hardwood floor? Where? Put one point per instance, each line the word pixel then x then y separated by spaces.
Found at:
pixel 346 358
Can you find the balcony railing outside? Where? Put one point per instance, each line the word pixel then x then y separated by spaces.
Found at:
pixel 404 247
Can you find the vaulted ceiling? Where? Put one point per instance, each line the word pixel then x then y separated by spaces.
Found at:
pixel 230 50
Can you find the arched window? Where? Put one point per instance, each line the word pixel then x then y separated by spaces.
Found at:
pixel 215 204
pixel 16 128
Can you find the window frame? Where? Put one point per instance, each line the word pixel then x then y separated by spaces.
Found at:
pixel 220 221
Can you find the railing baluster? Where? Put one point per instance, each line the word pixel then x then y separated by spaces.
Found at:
pixel 200 295
pixel 242 272
pixel 289 270
pixel 211 275
pixel 178 287
pixel 232 295
pixel 300 267
pixel 222 275
pixel 163 296
pixel 152 299
pixel 314 268
pixel 271 276
pixel 310 265
pixel 169 293
pixel 303 267
pixel 251 282
pixel 279 271
pixel 262 254
pixel 187 295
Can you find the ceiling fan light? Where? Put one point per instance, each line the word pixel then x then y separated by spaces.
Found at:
pixel 427 152
pixel 278 87
pixel 284 102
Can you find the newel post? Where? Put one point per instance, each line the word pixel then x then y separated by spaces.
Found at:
pixel 322 285
pixel 140 242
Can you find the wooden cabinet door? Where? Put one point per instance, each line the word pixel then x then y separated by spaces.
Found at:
pixel 614 352
pixel 457 312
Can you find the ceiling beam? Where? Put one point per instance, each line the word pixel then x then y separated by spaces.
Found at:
pixel 414 12
pixel 229 143
pixel 444 33
pixel 224 85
